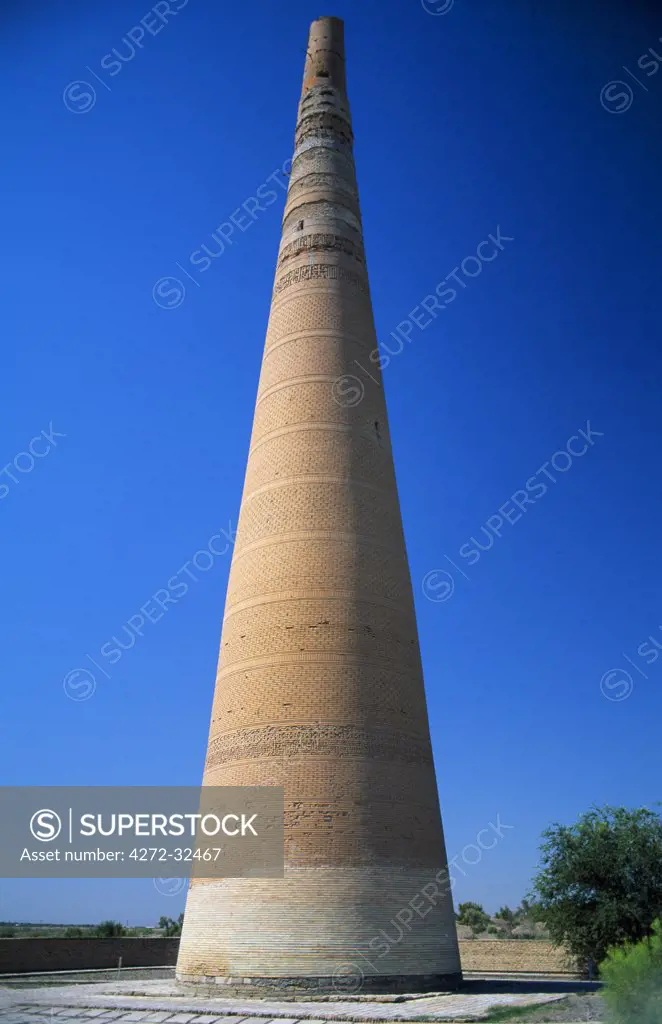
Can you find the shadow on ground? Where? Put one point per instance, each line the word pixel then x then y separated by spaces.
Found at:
pixel 485 986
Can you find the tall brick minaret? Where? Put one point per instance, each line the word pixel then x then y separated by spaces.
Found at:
pixel 319 686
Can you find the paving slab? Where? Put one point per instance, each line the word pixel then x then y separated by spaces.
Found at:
pixel 250 1020
pixel 153 1002
pixel 211 1019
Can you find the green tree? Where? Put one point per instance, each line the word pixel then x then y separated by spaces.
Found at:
pixel 464 908
pixel 170 927
pixel 73 932
pixel 600 881
pixel 473 916
pixel 633 980
pixel 110 930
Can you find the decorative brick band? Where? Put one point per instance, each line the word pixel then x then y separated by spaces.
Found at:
pixel 322 740
pixel 321 271
pixel 324 243
pixel 311 180
pixel 325 142
pixel 320 121
pixel 324 134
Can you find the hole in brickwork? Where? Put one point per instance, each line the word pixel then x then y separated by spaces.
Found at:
pixel 326 212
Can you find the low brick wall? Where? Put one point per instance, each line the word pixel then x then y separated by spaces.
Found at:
pixel 527 956
pixel 21 956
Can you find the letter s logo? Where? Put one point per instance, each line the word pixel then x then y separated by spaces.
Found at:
pixel 45 825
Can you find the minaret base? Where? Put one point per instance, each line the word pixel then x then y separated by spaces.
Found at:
pixel 338 987
pixel 321 932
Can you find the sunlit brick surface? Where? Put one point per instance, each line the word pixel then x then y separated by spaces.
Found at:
pixel 319 685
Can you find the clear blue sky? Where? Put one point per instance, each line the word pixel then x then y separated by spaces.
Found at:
pixel 485 115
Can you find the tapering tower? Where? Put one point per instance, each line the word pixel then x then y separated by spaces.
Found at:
pixel 319 686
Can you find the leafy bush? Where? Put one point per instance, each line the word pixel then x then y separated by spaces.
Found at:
pixel 110 930
pixel 473 915
pixel 171 928
pixel 633 980
pixel 73 932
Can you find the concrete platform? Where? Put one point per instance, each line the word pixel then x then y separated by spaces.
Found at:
pixel 162 1002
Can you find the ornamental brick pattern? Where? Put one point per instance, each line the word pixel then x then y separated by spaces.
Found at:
pixel 319 686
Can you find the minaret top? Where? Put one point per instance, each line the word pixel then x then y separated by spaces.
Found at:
pixel 325 57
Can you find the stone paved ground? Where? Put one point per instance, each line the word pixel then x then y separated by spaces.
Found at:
pixel 161 1003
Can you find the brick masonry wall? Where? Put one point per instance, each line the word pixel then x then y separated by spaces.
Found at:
pixel 511 957
pixel 22 956
pixel 18 956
